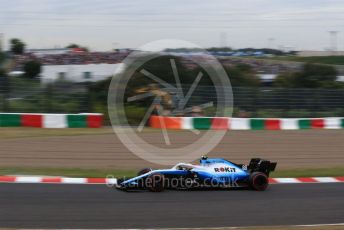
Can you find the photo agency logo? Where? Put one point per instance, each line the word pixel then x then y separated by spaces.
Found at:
pixel 178 182
pixel 168 83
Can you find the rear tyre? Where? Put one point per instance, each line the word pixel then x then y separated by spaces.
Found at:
pixel 155 182
pixel 144 171
pixel 259 181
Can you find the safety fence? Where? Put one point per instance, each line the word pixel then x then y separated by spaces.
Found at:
pixel 92 120
pixel 19 96
pixel 226 123
pixel 24 96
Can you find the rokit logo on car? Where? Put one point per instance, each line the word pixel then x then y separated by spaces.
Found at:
pixel 224 169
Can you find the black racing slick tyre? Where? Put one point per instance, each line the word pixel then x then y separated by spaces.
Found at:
pixel 144 171
pixel 259 181
pixel 155 182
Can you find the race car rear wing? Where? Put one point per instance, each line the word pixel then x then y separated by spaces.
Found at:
pixel 260 165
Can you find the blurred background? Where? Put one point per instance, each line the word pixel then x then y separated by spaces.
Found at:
pixel 284 59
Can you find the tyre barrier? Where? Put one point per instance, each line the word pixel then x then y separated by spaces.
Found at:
pixel 45 120
pixel 231 123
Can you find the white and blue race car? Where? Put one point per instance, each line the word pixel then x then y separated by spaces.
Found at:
pixel 210 173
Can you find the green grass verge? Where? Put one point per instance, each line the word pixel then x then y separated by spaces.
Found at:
pixel 67 172
pixel 316 172
pixel 337 171
pixel 26 132
pixel 23 132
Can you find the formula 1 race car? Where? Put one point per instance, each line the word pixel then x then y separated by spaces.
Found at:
pixel 210 173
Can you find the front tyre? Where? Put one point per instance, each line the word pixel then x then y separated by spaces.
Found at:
pixel 259 181
pixel 155 182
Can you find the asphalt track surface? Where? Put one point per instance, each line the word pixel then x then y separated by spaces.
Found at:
pixel 97 206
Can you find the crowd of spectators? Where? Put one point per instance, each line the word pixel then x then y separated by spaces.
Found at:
pixel 265 66
pixel 71 58
pixel 259 66
pixel 83 58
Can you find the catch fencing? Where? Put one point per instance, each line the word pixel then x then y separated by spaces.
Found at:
pixel 67 97
pixel 276 102
pixel 20 96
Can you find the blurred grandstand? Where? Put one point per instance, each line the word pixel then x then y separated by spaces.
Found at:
pixel 75 80
pixel 68 57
